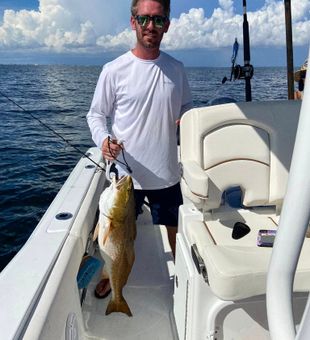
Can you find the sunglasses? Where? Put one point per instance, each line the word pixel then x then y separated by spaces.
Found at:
pixel 144 20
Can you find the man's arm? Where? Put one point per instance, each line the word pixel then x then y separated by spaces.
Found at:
pixel 100 115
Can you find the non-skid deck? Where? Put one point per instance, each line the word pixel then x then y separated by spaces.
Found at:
pixel 149 292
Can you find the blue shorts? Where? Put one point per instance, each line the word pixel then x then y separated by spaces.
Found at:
pixel 164 204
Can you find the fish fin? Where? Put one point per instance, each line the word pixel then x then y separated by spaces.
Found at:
pixel 119 306
pixel 107 232
pixel 96 232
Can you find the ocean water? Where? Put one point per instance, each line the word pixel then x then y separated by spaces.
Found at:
pixel 35 163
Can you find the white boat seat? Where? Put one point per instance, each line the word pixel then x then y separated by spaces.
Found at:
pixel 238 144
pixel 242 145
pixel 237 269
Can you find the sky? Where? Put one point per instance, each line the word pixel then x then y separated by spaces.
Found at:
pixel 201 32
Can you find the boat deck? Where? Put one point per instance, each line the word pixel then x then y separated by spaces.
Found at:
pixel 149 292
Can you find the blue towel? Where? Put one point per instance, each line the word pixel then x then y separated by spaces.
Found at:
pixel 88 268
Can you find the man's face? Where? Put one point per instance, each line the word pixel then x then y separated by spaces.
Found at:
pixel 149 33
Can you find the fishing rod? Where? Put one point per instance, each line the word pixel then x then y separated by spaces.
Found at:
pixel 233 61
pixel 50 129
pixel 242 72
pixel 248 68
pixel 234 57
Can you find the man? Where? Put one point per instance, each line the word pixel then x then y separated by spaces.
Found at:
pixel 299 77
pixel 142 95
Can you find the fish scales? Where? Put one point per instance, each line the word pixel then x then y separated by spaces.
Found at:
pixel 116 235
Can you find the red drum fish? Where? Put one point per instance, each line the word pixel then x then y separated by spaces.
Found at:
pixel 116 230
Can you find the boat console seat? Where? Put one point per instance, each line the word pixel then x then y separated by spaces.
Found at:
pixel 245 145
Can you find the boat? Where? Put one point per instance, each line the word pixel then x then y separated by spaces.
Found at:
pixel 216 289
pixel 232 276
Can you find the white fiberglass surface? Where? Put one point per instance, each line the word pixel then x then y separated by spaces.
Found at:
pixel 149 292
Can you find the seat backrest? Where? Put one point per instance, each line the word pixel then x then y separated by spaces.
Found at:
pixel 242 144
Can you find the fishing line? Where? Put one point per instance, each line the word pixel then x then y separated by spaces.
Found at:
pixel 114 156
pixel 52 130
pixel 69 143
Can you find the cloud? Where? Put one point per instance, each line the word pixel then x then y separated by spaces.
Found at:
pixel 195 30
pixel 267 26
pixel 121 41
pixel 63 24
pixel 79 25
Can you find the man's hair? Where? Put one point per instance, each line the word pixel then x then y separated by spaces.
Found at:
pixel 164 3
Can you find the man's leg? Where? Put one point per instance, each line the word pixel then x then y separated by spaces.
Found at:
pixel 164 205
pixel 103 287
pixel 172 233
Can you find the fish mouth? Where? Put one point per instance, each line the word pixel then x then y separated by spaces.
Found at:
pixel 122 181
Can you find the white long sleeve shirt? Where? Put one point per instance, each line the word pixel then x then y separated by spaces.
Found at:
pixel 142 99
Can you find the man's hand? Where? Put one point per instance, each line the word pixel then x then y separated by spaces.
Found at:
pixel 111 148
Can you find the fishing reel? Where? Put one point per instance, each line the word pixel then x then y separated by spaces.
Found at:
pixel 243 72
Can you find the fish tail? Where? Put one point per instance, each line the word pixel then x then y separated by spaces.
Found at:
pixel 118 306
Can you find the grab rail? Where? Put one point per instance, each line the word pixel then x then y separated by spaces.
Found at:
pixel 290 236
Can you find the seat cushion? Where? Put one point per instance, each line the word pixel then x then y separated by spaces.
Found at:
pixel 237 269
pixel 239 144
